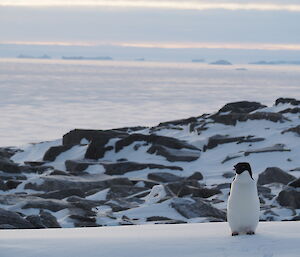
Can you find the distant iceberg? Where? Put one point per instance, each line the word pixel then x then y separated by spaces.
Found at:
pixel 24 56
pixel 86 58
pixel 221 62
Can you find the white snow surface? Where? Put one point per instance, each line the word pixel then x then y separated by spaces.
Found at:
pixel 273 239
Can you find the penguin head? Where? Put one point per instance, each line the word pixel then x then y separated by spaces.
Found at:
pixel 243 166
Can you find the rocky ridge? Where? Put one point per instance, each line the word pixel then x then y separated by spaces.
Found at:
pixel 177 172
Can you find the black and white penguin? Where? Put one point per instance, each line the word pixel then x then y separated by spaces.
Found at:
pixel 243 203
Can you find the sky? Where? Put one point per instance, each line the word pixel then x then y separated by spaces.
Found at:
pixel 268 25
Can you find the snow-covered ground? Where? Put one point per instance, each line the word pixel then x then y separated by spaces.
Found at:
pixel 273 239
pixel 43 99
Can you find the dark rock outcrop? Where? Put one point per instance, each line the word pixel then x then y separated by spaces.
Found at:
pixel 291 101
pixel 196 176
pixel 53 183
pixel 121 168
pixel 274 148
pixel 61 194
pixel 295 183
pixel 121 191
pixel 76 166
pixel 241 107
pixel 169 142
pixel 75 136
pixel 164 177
pixel 173 155
pixel 8 166
pixel 180 122
pixel 48 204
pixel 274 175
pixel 49 220
pixel 295 130
pixel 289 197
pixel 13 219
pixel 233 118
pixel 54 151
pixel 194 208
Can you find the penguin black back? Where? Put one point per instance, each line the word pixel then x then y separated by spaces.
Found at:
pixel 243 166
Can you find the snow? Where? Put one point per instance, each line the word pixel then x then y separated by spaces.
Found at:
pixel 189 240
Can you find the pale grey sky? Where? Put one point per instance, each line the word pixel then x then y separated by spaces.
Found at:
pixel 170 24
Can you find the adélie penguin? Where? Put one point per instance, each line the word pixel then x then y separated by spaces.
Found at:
pixel 243 203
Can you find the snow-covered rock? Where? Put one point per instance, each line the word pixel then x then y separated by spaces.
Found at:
pixel 177 172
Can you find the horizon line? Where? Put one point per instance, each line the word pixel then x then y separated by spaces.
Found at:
pixel 165 45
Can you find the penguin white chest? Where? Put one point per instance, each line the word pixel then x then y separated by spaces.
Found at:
pixel 243 205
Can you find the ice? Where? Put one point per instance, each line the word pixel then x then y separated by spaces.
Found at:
pixel 43 99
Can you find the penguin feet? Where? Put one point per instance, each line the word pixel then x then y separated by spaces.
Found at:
pixel 250 233
pixel 235 234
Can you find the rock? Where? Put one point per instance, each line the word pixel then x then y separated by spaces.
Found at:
pixel 76 166
pixel 228 174
pixel 120 191
pixel 291 101
pixel 49 220
pixel 182 188
pixel 35 163
pixel 164 177
pixel 53 183
pixel 194 208
pixel 295 130
pixel 263 190
pixel 274 175
pixel 216 140
pixel 196 176
pixel 205 192
pixel 75 136
pixel 54 151
pixel 59 172
pixel 164 220
pixel 157 218
pixel 61 194
pixel 83 221
pixel 36 221
pixel 35 169
pixel 295 183
pixel 7 152
pixel 180 122
pixel 173 155
pixel 3 186
pixel 84 204
pixel 121 168
pixel 274 148
pixel 291 110
pixel 154 139
pixel 13 219
pixel 9 166
pixel 122 204
pixel 223 186
pixel 97 149
pixel 289 197
pixel 241 107
pixel 232 156
pixel 12 184
pixel 48 204
pixel 233 118
pixel 8 176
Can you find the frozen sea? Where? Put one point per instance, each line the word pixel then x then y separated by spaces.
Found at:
pixel 43 99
